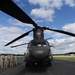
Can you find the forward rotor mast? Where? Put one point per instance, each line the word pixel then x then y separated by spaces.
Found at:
pixel 38 34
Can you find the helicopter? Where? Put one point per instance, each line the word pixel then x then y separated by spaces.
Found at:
pixel 39 50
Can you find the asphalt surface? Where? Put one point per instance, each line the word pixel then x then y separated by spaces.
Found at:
pixel 58 68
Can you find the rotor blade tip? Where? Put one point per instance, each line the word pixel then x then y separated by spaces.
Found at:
pixel 5 45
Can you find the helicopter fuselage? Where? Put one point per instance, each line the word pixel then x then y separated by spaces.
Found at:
pixel 39 52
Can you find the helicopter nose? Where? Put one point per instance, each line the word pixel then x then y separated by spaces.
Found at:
pixel 40 53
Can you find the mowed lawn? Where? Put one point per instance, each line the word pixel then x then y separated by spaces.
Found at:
pixel 68 58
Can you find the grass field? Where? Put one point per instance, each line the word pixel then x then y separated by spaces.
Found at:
pixel 68 58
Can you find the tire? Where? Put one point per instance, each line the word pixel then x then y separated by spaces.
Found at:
pixel 49 64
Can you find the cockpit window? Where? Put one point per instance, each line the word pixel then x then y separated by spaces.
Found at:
pixel 44 43
pixel 33 43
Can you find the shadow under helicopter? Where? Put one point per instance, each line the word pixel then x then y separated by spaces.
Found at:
pixel 32 70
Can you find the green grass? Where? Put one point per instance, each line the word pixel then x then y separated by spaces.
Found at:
pixel 67 58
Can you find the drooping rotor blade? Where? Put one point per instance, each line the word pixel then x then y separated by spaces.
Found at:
pixel 49 38
pixel 51 45
pixel 23 35
pixel 19 45
pixel 60 31
pixel 9 7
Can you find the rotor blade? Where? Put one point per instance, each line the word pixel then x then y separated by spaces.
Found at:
pixel 19 45
pixel 23 35
pixel 9 7
pixel 60 31
pixel 51 46
pixel 49 38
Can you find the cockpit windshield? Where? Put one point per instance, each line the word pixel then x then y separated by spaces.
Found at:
pixel 33 43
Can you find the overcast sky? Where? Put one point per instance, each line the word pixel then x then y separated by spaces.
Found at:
pixel 58 14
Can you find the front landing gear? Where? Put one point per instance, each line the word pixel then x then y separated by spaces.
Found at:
pixel 49 63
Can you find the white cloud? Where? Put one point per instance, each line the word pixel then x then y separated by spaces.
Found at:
pixel 39 20
pixel 48 32
pixel 47 3
pixel 64 45
pixel 8 34
pixel 46 14
pixel 53 3
pixel 19 3
pixel 71 3
pixel 18 23
pixel 69 27
pixel 47 8
pixel 42 3
pixel 58 35
pixel 56 4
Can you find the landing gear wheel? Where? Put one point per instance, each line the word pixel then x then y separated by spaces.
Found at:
pixel 49 64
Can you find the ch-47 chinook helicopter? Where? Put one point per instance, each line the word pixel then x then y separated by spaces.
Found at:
pixel 39 49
